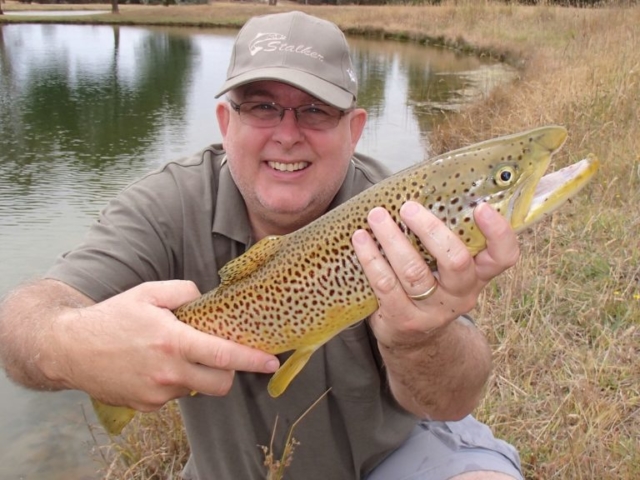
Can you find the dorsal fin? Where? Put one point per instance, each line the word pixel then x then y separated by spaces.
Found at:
pixel 251 260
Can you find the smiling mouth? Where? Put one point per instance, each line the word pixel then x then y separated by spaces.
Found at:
pixel 288 167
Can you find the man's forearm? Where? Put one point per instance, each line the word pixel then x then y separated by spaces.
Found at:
pixel 443 377
pixel 27 318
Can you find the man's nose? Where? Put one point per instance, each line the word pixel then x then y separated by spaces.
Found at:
pixel 288 131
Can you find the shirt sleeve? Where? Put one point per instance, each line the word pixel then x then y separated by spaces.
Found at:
pixel 134 240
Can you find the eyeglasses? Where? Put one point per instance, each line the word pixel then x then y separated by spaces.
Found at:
pixel 269 114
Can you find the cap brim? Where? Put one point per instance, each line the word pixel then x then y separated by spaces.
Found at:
pixel 321 89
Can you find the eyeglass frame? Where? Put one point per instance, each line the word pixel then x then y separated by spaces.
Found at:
pixel 236 107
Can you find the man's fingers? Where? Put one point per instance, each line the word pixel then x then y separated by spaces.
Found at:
pixel 408 265
pixel 208 363
pixel 455 264
pixel 378 271
pixel 219 353
pixel 209 381
pixel 502 249
pixel 213 362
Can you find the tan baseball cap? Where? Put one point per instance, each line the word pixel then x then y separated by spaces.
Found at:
pixel 298 49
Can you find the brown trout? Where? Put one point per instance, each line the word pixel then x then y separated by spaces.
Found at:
pixel 297 291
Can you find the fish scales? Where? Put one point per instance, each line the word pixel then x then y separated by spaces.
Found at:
pixel 297 291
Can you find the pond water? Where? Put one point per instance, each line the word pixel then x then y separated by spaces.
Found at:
pixel 86 109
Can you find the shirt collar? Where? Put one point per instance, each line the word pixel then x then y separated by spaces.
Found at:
pixel 230 215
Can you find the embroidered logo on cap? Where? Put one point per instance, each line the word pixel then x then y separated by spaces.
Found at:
pixel 257 43
pixel 272 42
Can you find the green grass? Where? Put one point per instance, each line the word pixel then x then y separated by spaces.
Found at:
pixel 565 322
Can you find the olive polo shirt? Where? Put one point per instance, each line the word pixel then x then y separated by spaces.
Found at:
pixel 185 221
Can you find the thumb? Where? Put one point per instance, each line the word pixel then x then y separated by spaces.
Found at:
pixel 169 294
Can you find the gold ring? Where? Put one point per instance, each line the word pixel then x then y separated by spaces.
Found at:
pixel 425 295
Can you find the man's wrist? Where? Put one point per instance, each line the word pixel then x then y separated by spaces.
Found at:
pixel 414 341
pixel 54 347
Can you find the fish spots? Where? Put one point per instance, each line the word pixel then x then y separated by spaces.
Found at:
pixel 288 301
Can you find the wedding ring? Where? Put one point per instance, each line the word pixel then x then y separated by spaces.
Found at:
pixel 425 295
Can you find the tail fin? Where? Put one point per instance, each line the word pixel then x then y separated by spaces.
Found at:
pixel 113 419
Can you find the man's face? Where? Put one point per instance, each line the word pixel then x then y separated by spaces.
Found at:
pixel 287 175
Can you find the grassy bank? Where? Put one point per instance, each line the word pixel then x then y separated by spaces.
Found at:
pixel 565 323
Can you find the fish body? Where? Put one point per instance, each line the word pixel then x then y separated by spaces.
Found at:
pixel 297 291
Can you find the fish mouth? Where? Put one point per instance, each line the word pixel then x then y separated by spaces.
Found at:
pixel 555 188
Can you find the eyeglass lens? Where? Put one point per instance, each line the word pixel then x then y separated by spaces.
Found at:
pixel 270 114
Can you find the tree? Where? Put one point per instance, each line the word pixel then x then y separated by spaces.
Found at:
pixel 114 6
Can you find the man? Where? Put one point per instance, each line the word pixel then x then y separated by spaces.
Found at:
pixel 402 382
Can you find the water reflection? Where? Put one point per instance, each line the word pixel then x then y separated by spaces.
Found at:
pixel 407 89
pixel 79 98
pixel 86 109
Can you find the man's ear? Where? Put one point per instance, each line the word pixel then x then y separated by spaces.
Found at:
pixel 357 120
pixel 223 113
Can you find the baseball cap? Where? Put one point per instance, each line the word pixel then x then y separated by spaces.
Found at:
pixel 301 50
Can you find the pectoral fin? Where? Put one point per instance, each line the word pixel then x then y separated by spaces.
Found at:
pixel 113 419
pixel 287 372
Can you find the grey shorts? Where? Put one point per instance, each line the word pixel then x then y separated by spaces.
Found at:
pixel 441 450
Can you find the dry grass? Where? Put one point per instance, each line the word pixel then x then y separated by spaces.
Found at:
pixel 565 323
pixel 276 467
pixel 154 448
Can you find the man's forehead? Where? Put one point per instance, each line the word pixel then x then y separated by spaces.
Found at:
pixel 273 90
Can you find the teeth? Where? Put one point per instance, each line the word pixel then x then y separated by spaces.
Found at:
pixel 288 167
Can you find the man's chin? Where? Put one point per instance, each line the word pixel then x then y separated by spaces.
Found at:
pixel 291 215
pixel 290 204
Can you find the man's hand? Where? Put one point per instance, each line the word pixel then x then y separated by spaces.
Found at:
pixel 437 363
pixel 460 277
pixel 128 350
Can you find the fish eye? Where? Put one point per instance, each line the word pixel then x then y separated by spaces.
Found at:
pixel 505 176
